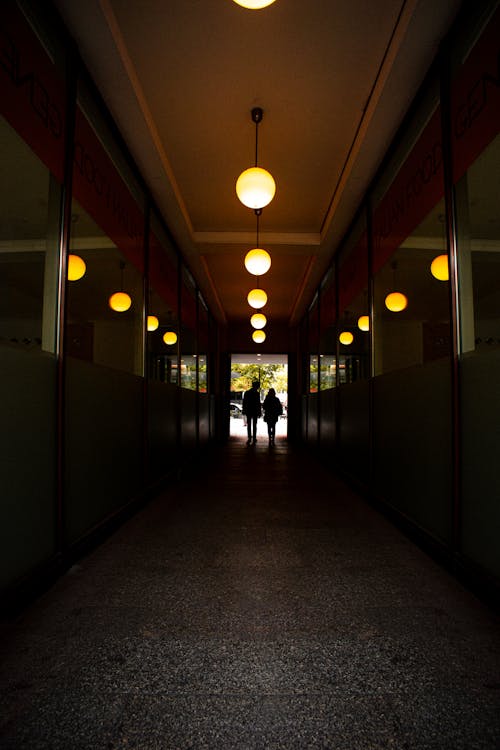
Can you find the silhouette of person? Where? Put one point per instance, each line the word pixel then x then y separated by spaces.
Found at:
pixel 272 410
pixel 252 410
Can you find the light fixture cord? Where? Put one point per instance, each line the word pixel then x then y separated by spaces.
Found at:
pixel 256 141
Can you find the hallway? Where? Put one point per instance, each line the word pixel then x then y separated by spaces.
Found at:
pixel 257 604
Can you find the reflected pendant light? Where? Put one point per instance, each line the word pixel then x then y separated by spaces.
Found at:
pixel 120 301
pixel 346 338
pixel 440 269
pixel 258 320
pixel 153 322
pixel 76 267
pixel 170 338
pixel 364 323
pixel 254 4
pixel 396 302
pixel 259 336
pixel 255 187
pixel 257 298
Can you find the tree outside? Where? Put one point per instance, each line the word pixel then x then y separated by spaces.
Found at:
pixel 269 376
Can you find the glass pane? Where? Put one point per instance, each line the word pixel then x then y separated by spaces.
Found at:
pixel 163 323
pixel 188 332
pixel 411 281
pixel 353 326
pixel 29 220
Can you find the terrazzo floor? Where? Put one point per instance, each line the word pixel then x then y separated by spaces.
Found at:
pixel 259 604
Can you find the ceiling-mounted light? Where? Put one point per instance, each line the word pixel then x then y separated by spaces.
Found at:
pixel 346 338
pixel 440 269
pixel 254 4
pixel 364 323
pixel 120 301
pixel 259 336
pixel 170 338
pixel 258 320
pixel 153 323
pixel 76 267
pixel 257 298
pixel 255 187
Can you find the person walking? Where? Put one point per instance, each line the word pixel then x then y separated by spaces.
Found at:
pixel 272 410
pixel 252 410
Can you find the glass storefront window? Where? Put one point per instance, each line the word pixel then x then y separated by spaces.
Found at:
pixel 162 323
pixel 313 330
pixel 475 112
pixel 327 326
pixel 411 269
pixel 105 305
pixel 353 329
pixel 188 365
pixel 203 344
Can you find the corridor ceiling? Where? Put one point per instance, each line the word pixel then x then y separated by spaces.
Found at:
pixel 334 79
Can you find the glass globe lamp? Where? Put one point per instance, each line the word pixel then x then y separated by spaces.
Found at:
pixel 120 302
pixel 396 302
pixel 257 298
pixel 255 187
pixel 76 267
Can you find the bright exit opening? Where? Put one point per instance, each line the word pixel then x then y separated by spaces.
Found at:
pixel 271 370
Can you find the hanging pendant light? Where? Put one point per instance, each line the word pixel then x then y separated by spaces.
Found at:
pixel 255 187
pixel 257 298
pixel 258 320
pixel 257 261
pixel 76 267
pixel 120 301
pixel 396 301
pixel 440 269
pixel 254 4
pixel 259 336
pixel 153 323
pixel 364 323
pixel 346 338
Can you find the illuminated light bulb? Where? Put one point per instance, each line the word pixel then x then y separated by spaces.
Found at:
pixel 254 4
pixel 257 261
pixel 258 320
pixel 170 338
pixel 120 301
pixel 153 322
pixel 255 187
pixel 259 336
pixel 76 267
pixel 257 298
pixel 364 323
pixel 396 302
pixel 439 268
pixel 346 338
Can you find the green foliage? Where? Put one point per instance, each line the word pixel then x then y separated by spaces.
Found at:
pixel 269 376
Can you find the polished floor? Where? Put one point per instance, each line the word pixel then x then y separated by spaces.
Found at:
pixel 258 604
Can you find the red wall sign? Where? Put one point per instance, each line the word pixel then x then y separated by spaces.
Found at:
pixel 98 186
pixel 31 90
pixel 415 191
pixel 162 273
pixel 475 100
